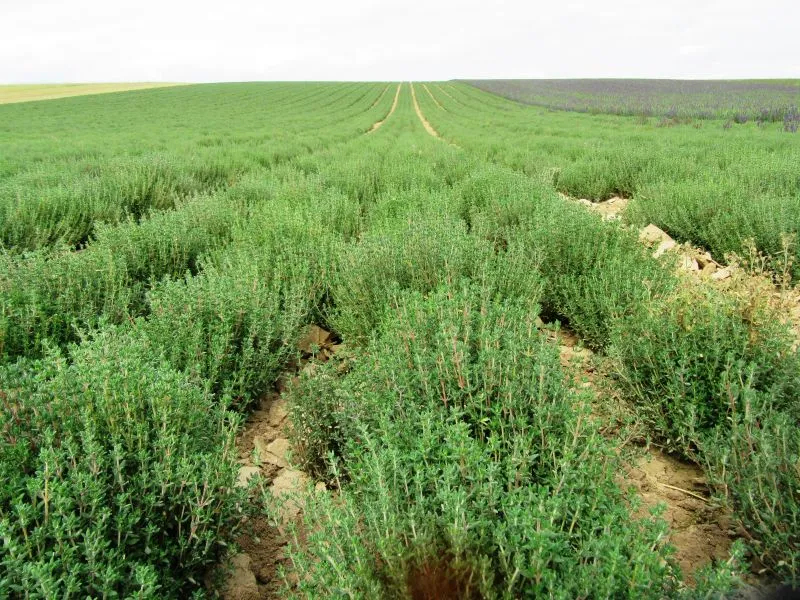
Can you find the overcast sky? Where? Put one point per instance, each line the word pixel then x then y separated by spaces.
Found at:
pixel 233 40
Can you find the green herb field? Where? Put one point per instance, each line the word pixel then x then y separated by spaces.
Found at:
pixel 378 340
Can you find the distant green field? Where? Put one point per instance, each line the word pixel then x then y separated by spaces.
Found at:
pixel 164 252
pixel 28 93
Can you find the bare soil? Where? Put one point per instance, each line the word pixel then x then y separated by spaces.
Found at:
pixel 265 452
pixel 700 531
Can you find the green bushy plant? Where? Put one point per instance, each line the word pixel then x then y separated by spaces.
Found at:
pixel 596 273
pixel 51 295
pixel 725 216
pixel 417 255
pixel 601 175
pixel 755 460
pixel 469 468
pixel 117 474
pixel 677 353
pixel 233 327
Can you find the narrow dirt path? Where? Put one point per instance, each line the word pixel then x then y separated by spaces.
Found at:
pixel 699 531
pixel 446 93
pixel 428 127
pixel 376 125
pixel 435 101
pixel 264 450
pixel 379 98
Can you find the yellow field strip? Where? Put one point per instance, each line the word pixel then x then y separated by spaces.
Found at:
pixel 29 93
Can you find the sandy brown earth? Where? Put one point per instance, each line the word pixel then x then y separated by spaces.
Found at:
pixel 264 453
pixel 377 124
pixel 699 530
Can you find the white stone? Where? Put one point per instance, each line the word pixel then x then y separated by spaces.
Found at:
pixel 246 473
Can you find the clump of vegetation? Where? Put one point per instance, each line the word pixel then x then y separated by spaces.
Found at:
pixel 468 459
pixel 754 459
pixel 679 354
pixel 118 474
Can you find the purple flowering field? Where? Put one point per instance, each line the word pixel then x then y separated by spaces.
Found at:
pixel 740 100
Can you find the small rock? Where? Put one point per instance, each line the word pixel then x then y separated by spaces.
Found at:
pixel 664 247
pixel 314 336
pixel 721 274
pixel 585 202
pixel 245 474
pixel 687 263
pixel 653 235
pixel 241 583
pixel 272 452
pixel 277 451
pixel 320 487
pixel 287 483
pixel 704 259
pixel 709 269
pixel 277 412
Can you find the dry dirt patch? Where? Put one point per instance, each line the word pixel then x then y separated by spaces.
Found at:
pixel 264 453
pixel 700 531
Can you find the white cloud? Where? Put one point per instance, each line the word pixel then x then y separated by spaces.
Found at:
pixel 209 40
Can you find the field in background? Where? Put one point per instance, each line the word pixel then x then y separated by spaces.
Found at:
pixel 29 92
pixel 765 100
pixel 242 325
